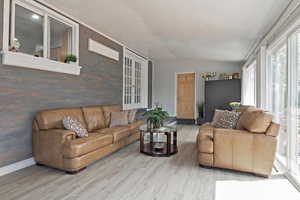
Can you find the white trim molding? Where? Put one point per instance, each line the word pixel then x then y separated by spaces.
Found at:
pixel 101 49
pixel 31 62
pixel 16 166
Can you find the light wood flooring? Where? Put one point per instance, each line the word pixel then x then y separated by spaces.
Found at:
pixel 125 175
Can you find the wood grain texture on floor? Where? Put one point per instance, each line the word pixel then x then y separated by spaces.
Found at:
pixel 125 175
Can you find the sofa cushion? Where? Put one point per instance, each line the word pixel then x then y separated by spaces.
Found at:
pixel 256 121
pixel 81 146
pixel 107 112
pixel 131 115
pixel 118 118
pixel 52 119
pixel 118 132
pixel 94 117
pixel 75 126
pixel 136 125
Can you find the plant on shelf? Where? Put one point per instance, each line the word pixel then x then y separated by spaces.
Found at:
pixel 235 105
pixel 70 58
pixel 156 117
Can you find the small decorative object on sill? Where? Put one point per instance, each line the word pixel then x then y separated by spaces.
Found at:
pixel 155 117
pixel 208 75
pixel 236 76
pixel 15 45
pixel 235 105
pixel 70 58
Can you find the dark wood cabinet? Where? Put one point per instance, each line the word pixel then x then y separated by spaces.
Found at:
pixel 218 95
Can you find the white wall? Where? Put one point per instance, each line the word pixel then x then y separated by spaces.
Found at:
pixel 164 78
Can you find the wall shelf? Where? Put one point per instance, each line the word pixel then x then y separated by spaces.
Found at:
pixel 17 59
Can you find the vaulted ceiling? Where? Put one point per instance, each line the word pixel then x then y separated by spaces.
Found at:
pixel 221 30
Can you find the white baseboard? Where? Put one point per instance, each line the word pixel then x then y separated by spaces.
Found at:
pixel 16 166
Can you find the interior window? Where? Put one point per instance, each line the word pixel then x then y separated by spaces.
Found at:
pixel 29 31
pixel 60 40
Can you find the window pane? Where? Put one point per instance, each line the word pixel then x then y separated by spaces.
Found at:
pixel 279 74
pixel 60 40
pixel 29 31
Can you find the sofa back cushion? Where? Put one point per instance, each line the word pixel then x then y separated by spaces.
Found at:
pixel 94 117
pixel 53 119
pixel 255 120
pixel 107 112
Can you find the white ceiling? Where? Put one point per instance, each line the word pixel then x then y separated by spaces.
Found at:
pixel 221 30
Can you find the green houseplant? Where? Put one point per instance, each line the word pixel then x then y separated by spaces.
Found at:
pixel 201 110
pixel 235 105
pixel 70 58
pixel 156 117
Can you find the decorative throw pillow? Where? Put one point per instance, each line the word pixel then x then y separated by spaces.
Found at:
pixel 131 116
pixel 228 120
pixel 118 118
pixel 74 125
pixel 217 116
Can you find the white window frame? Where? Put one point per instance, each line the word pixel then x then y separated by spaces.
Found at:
pixel 289 39
pixel 247 71
pixel 28 61
pixel 144 81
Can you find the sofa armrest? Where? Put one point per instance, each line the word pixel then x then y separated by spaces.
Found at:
pixel 59 135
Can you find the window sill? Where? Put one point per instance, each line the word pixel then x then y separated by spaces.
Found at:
pixel 31 62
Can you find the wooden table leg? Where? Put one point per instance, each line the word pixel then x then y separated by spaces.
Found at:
pixel 168 143
pixel 141 141
pixel 151 142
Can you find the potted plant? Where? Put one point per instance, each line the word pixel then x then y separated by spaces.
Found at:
pixel 201 113
pixel 156 117
pixel 70 58
pixel 235 105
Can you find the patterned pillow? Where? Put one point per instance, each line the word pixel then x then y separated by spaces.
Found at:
pixel 118 118
pixel 74 125
pixel 228 120
pixel 131 116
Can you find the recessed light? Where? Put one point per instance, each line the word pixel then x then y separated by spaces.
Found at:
pixel 35 16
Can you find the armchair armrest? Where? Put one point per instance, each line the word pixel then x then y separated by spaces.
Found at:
pixel 205 139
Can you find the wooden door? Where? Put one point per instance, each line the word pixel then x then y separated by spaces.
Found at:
pixel 185 96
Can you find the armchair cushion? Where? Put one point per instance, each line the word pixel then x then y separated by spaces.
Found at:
pixel 256 121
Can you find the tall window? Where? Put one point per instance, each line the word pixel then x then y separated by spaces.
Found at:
pixel 135 93
pixel 249 85
pixel 278 91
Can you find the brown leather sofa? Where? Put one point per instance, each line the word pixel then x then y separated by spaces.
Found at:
pixel 59 148
pixel 249 148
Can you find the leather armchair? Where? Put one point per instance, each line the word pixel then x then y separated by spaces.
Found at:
pixel 251 148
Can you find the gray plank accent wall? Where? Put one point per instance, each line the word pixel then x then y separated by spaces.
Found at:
pixel 23 92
